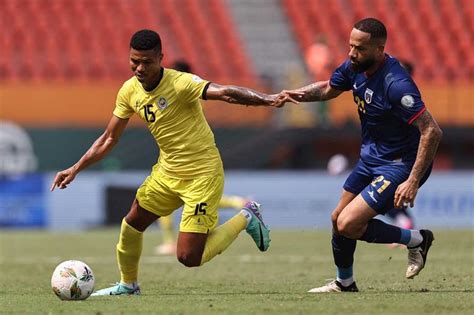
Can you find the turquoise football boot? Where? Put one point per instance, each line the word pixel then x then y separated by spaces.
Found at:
pixel 118 289
pixel 256 228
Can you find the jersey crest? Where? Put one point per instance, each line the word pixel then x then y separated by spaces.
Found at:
pixel 368 95
pixel 162 103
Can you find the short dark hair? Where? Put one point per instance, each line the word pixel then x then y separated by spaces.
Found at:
pixel 146 40
pixel 374 27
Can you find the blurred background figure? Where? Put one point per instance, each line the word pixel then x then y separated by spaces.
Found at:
pixel 337 164
pixel 318 59
pixel 305 115
pixel 408 66
pixel 182 65
pixel 320 63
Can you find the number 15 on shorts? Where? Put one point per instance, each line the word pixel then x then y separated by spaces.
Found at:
pixel 200 208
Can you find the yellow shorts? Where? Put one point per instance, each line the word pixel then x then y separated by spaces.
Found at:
pixel 162 195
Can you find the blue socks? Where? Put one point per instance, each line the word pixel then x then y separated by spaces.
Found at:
pixel 382 233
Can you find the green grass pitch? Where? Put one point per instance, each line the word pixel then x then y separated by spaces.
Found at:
pixel 240 281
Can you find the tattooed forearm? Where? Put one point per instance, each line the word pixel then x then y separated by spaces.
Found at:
pixel 240 95
pixel 430 137
pixel 314 92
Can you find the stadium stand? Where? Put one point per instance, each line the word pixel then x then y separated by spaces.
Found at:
pixel 64 40
pixel 46 44
pixel 437 34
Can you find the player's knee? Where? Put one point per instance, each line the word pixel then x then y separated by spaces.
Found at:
pixel 334 216
pixel 346 228
pixel 189 260
pixel 139 218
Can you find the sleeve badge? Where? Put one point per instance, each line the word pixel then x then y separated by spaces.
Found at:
pixel 408 101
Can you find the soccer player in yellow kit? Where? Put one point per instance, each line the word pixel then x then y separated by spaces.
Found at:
pixel 189 170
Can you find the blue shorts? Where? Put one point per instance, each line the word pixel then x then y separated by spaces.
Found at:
pixel 377 184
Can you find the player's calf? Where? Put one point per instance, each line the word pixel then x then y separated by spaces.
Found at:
pixel 190 248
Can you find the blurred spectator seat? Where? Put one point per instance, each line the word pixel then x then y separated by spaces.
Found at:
pixel 436 35
pixel 88 39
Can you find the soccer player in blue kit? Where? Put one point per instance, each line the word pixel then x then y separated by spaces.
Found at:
pixel 399 142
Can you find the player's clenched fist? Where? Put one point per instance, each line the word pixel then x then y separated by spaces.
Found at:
pixel 63 178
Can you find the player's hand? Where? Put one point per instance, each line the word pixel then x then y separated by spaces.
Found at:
pixel 406 193
pixel 286 96
pixel 63 178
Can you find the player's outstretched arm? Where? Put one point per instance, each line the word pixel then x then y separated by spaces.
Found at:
pixel 96 152
pixel 315 92
pixel 429 140
pixel 246 96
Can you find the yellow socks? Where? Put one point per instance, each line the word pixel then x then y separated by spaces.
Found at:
pixel 166 226
pixel 129 249
pixel 220 238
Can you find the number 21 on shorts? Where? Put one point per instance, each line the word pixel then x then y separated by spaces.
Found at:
pixel 384 186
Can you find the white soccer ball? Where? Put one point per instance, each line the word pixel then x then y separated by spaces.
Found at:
pixel 73 280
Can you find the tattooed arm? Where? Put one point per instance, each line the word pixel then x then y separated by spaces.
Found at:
pixel 246 96
pixel 318 91
pixel 430 137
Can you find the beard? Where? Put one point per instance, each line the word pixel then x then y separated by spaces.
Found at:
pixel 363 66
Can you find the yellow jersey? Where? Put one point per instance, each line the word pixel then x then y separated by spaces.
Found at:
pixel 174 116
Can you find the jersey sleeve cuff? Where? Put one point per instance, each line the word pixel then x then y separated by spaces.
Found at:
pixel 121 116
pixel 339 88
pixel 204 91
pixel 412 119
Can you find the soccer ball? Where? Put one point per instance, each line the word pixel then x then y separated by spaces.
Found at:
pixel 73 280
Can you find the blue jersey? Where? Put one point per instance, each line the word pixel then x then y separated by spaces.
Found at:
pixel 388 102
